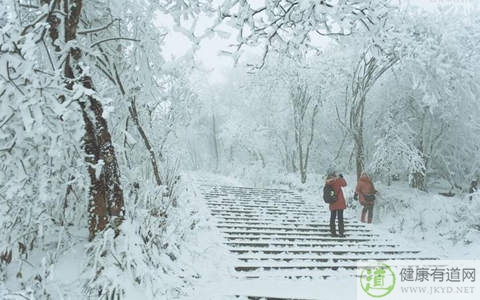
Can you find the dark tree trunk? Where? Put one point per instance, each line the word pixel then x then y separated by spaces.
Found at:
pixel 359 145
pixel 418 181
pixel 359 154
pixel 365 75
pixel 146 141
pixel 215 142
pixel 134 114
pixel 418 178
pixel 106 195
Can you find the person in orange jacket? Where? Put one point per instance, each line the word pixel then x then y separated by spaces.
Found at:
pixel 365 193
pixel 337 207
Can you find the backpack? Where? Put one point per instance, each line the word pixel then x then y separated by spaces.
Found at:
pixel 329 195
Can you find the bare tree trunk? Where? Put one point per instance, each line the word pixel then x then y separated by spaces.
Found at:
pixel 262 158
pixel 215 142
pixel 359 145
pixel 134 114
pixel 310 142
pixel 302 101
pixel 125 144
pixel 359 155
pixel 366 73
pixel 418 177
pixel 292 160
pixel 298 142
pixel 146 142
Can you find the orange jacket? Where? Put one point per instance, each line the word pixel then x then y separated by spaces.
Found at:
pixel 336 183
pixel 364 187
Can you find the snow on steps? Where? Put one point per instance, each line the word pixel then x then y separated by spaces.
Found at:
pixel 274 234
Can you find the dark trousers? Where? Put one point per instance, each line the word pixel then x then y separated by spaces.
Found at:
pixel 333 216
pixel 367 209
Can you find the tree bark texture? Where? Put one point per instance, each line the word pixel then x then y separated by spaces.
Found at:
pixel 146 141
pixel 105 192
pixel 215 142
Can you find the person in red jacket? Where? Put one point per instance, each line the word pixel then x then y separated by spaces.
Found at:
pixel 365 193
pixel 337 207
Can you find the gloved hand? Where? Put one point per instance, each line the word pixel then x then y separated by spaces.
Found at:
pixel 355 196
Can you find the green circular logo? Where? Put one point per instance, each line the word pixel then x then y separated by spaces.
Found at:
pixel 377 281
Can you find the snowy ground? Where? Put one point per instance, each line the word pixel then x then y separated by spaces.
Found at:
pixel 440 226
pixel 446 227
pixel 443 227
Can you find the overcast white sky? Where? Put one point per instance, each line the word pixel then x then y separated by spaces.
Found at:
pixel 177 45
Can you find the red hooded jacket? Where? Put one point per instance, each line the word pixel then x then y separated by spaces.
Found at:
pixel 364 187
pixel 337 183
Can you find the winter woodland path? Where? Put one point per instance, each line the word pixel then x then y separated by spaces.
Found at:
pixel 275 235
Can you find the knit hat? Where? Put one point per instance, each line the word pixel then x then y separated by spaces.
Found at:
pixel 331 172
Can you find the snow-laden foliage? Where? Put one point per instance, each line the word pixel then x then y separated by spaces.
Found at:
pixel 290 27
pixel 45 117
pixel 41 158
pixel 258 116
pixel 395 152
pixel 431 98
pixel 91 113
pixel 419 115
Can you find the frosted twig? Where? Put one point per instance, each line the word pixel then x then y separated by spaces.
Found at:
pixel 92 30
pixel 113 39
pixel 6 120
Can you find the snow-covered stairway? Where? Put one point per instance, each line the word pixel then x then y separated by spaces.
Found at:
pixel 273 233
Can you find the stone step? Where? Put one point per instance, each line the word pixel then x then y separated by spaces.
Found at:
pixel 255 196
pixel 262 211
pixel 278 243
pixel 279 223
pixel 322 228
pixel 299 217
pixel 251 193
pixel 254 204
pixel 303 238
pixel 289 220
pixel 274 233
pixel 249 209
pixel 322 251
pixel 254 199
pixel 317 266
pixel 257 202
pixel 299 259
pixel 248 189
pixel 277 212
pixel 294 275
pixel 270 298
pixel 257 216
pixel 316 234
pixel 263 214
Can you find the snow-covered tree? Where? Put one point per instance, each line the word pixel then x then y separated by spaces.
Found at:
pixel 290 27
pixel 394 150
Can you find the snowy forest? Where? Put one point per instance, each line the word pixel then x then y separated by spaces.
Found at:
pixel 114 113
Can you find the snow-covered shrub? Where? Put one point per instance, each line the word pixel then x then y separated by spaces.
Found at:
pixel 395 152
pixel 42 172
pixel 446 225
